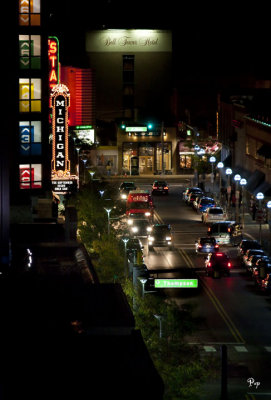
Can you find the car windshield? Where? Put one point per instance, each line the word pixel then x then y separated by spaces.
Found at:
pixel 139 205
pixel 215 211
pixel 207 201
pixel 208 240
pixel 161 229
pixel 141 222
pixel 220 228
pixel 160 183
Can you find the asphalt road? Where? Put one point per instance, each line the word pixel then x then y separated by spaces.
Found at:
pixel 230 310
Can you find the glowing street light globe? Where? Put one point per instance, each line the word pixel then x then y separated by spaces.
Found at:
pixel 228 171
pixel 212 159
pixel 220 164
pixel 260 196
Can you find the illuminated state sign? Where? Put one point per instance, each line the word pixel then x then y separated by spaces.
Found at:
pixel 64 185
pixel 53 55
pixel 176 283
pixel 60 102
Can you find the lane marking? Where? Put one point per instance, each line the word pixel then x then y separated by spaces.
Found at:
pixel 241 349
pixel 209 349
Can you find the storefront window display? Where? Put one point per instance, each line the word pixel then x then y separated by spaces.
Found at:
pixel 167 156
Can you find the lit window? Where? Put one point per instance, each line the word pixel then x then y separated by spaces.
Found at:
pixel 29 51
pixel 30 138
pixel 29 95
pixel 30 176
pixel 29 12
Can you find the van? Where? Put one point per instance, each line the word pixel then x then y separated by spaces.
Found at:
pixel 226 232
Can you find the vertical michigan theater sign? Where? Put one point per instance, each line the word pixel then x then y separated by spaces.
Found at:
pixel 62 181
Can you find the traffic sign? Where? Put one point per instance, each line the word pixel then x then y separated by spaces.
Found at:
pixel 176 283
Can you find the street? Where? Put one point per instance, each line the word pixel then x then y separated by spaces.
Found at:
pixel 230 310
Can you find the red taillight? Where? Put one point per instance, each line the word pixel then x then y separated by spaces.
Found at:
pixel 155 187
pixel 209 265
pixel 229 265
pixel 165 187
pixel 219 254
pixel 216 246
pixel 209 229
pixel 200 246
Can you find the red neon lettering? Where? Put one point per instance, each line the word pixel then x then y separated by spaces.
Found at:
pixel 52 47
pixel 53 59
pixel 53 76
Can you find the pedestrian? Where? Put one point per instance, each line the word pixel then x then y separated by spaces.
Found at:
pixel 254 209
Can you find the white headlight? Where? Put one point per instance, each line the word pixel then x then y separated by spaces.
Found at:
pixel 124 196
pixel 130 221
pixel 147 214
pixel 134 229
pixel 150 238
pixel 149 228
pixel 168 238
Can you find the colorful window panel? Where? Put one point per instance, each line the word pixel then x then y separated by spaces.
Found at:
pixel 29 95
pixel 30 138
pixel 29 51
pixel 30 176
pixel 29 12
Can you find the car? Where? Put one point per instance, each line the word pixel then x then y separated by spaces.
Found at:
pixel 142 271
pixel 188 190
pixel 161 235
pixel 253 262
pixel 125 188
pixel 206 245
pixel 213 214
pixel 264 260
pixel 248 244
pixel 160 187
pixel 249 253
pixel 140 227
pixel 217 264
pixel 192 197
pixel 226 232
pixel 196 201
pixel 205 202
pixel 263 276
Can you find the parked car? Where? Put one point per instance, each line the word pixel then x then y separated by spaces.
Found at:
pixel 188 190
pixel 191 198
pixel 205 202
pixel 134 251
pixel 263 276
pixel 213 214
pixel 265 260
pixel 160 187
pixel 226 232
pixel 252 262
pixel 217 264
pixel 206 245
pixel 249 253
pixel 196 201
pixel 248 244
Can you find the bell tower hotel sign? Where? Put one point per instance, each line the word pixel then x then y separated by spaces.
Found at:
pixel 130 40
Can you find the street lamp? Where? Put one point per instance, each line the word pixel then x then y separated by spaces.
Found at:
pixel 101 192
pixel 91 173
pixel 108 210
pixel 78 163
pixel 237 179
pixel 260 197
pixel 243 183
pixel 125 241
pixel 228 173
pixel 160 318
pixel 212 160
pixel 220 165
pixel 143 281
pixel 84 161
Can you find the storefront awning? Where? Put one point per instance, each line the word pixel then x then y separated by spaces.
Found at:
pixel 255 179
pixel 265 151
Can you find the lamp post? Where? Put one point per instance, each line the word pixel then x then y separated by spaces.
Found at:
pixel 260 197
pixel 91 173
pixel 237 179
pixel 219 166
pixel 243 183
pixel 101 193
pixel 125 241
pixel 78 163
pixel 84 161
pixel 108 210
pixel 228 173
pixel 143 281
pixel 268 205
pixel 212 161
pixel 160 318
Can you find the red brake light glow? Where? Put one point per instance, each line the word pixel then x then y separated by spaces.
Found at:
pixel 216 246
pixel 209 265
pixel 155 187
pixel 165 187
pixel 219 254
pixel 229 264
